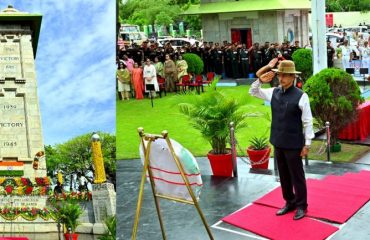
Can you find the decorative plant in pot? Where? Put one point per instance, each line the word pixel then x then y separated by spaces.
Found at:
pixel 211 114
pixel 68 214
pixel 259 152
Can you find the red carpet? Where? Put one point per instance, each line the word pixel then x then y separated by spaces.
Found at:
pixel 263 221
pixel 334 198
pixel 13 238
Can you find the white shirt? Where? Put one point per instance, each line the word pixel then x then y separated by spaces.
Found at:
pixel 304 105
pixel 346 50
pixel 365 52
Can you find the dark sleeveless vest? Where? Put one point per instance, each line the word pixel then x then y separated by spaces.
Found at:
pixel 286 125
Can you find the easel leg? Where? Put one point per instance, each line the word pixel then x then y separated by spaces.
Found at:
pixel 140 199
pixel 156 201
pixel 182 172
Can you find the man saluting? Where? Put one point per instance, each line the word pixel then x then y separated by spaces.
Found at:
pixel 291 132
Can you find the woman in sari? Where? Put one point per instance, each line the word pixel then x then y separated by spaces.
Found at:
pixel 137 81
pixel 182 68
pixel 123 77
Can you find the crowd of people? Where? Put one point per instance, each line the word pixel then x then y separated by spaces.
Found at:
pixel 140 67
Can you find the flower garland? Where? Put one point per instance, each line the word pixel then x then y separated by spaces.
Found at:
pixel 24 186
pixel 65 196
pixel 27 213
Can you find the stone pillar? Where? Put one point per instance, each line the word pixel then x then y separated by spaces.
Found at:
pixel 20 124
pixel 104 204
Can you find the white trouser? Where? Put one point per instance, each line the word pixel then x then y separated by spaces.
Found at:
pixel 345 62
pixel 366 63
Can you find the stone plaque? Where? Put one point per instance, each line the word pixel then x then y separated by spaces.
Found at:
pixel 23 201
pixel 10 61
pixel 104 201
pixel 13 129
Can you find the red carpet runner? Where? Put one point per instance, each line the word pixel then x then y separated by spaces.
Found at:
pixel 334 198
pixel 263 221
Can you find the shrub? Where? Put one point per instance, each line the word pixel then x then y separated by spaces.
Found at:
pixel 195 63
pixel 334 97
pixel 303 62
pixel 211 113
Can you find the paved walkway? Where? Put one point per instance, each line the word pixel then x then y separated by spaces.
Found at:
pixel 220 197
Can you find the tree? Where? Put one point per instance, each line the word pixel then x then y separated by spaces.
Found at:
pixel 145 12
pixel 347 5
pixel 75 155
pixel 334 97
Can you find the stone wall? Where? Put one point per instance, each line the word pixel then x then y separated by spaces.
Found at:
pixel 269 26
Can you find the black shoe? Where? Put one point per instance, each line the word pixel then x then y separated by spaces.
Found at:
pixel 287 208
pixel 300 214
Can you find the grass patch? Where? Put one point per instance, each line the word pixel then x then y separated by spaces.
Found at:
pixel 349 153
pixel 166 116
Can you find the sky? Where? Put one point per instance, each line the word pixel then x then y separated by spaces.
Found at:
pixel 75 66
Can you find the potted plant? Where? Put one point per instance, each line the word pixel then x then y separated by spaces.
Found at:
pixel 68 214
pixel 259 152
pixel 211 113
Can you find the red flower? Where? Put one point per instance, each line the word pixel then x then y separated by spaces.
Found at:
pixel 34 211
pixel 39 181
pixel 28 190
pixel 9 189
pixel 24 181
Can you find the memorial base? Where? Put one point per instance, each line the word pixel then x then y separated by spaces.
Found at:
pixel 104 201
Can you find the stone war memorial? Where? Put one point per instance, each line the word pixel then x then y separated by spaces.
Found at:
pixel 24 185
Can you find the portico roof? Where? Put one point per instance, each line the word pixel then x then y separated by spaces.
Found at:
pixel 247 6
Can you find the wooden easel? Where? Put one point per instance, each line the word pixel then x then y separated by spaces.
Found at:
pixel 150 138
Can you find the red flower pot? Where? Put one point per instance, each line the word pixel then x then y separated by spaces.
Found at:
pixel 221 164
pixel 259 155
pixel 73 236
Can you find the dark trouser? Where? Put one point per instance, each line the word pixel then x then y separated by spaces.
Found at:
pixel 245 68
pixel 292 176
pixel 330 64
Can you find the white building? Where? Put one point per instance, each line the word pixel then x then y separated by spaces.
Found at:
pixel 250 21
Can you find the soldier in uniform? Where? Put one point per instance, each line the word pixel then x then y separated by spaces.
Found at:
pixel 206 57
pixel 295 47
pixel 264 51
pixel 330 54
pixel 244 61
pixel 256 57
pixel 218 59
pixel 234 62
pixel 227 61
pixel 285 51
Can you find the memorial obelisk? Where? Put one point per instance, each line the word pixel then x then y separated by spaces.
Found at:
pixel 21 143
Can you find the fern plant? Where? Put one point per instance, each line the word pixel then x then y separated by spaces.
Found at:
pixel 110 233
pixel 211 114
pixel 259 143
pixel 68 214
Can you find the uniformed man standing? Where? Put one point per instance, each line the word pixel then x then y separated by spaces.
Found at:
pixel 244 61
pixel 234 62
pixel 256 57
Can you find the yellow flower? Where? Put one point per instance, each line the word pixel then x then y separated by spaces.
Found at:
pixel 20 190
pixel 2 179
pixel 18 181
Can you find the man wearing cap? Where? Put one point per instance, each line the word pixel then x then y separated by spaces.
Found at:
pixel 291 132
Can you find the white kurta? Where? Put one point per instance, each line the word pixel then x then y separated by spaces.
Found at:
pixel 150 72
pixel 365 54
pixel 346 52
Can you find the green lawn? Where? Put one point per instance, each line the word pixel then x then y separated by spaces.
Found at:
pixel 166 116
